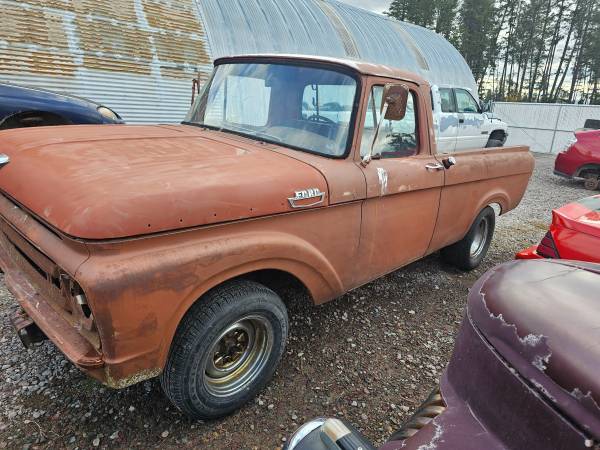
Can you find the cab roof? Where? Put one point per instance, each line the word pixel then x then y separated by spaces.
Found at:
pixel 361 67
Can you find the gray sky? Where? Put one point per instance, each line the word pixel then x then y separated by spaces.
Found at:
pixel 373 5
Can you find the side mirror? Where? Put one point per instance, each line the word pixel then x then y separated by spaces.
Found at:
pixel 486 106
pixel 395 99
pixel 393 107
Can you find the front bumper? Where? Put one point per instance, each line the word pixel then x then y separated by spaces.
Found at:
pixel 529 253
pixel 45 314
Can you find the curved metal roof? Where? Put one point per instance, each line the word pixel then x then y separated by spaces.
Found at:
pixel 139 56
pixel 331 28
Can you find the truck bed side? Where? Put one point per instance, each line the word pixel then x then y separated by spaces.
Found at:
pixel 479 178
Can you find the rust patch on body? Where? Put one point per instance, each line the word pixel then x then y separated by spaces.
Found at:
pixel 130 380
pixel 110 36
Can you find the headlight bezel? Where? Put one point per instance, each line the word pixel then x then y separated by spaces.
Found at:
pixel 108 113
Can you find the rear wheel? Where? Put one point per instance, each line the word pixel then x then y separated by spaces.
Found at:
pixel 468 253
pixel 226 349
pixel 591 181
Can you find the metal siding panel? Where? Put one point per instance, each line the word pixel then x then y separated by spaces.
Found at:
pixel 136 56
pixel 545 127
pixel 538 141
pixel 526 115
pixel 574 116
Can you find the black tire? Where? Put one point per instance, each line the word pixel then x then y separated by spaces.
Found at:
pixel 494 143
pixel 208 344
pixel 468 253
pixel 591 181
pixel 496 139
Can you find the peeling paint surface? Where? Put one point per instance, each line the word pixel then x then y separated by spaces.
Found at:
pixel 519 315
pixel 383 179
pixel 541 317
pixel 434 441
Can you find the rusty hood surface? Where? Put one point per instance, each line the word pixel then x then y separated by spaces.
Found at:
pixel 106 182
pixel 543 318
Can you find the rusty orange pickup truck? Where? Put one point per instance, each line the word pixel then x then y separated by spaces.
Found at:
pixel 145 251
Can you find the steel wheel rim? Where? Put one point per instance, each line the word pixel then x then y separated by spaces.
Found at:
pixel 480 238
pixel 238 355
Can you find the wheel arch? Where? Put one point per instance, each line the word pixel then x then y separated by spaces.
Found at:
pixel 498 131
pixel 497 134
pixel 499 201
pixel 48 118
pixel 305 270
pixel 595 167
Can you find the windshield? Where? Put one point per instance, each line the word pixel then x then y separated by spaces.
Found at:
pixel 306 108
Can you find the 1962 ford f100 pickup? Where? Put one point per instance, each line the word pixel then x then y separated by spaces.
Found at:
pixel 158 250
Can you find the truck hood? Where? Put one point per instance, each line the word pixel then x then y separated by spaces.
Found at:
pixel 582 215
pixel 115 181
pixel 543 317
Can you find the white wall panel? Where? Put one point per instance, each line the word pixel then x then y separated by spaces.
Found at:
pixel 546 128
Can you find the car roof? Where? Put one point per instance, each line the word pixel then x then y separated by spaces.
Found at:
pixel 36 91
pixel 364 68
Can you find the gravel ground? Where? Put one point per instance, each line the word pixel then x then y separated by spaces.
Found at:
pixel 396 338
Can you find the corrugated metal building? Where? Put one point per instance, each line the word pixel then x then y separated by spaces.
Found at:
pixel 139 56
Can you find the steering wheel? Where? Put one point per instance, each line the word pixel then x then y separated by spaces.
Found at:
pixel 320 118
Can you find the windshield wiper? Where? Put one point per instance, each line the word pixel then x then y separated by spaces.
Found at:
pixel 237 130
pixel 251 132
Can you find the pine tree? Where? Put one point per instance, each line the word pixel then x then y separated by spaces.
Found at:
pixel 445 16
pixel 419 12
pixel 475 24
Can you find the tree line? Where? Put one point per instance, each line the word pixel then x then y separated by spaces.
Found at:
pixel 519 50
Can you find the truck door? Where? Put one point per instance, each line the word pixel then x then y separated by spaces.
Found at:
pixel 471 130
pixel 445 119
pixel 403 186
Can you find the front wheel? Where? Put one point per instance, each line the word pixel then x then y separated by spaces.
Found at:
pixel 468 253
pixel 225 350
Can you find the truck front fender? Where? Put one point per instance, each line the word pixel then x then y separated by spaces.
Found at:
pixel 140 290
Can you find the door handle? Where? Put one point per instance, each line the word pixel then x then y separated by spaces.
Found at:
pixel 461 120
pixel 434 166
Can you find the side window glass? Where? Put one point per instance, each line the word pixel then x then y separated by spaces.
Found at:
pixel 397 138
pixel 465 101
pixel 447 101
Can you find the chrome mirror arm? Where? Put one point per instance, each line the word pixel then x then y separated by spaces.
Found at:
pixel 369 156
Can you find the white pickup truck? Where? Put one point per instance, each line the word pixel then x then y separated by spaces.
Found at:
pixel 461 122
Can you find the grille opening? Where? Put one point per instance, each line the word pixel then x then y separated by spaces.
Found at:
pixel 31 262
pixel 55 281
pixel 87 312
